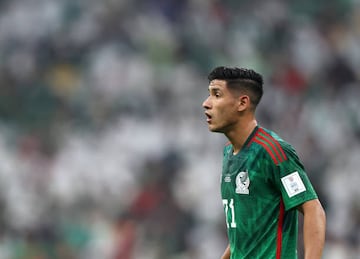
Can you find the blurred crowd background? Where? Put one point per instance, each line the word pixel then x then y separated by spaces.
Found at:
pixel 104 148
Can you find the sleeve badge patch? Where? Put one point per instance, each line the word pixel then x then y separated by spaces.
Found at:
pixel 293 184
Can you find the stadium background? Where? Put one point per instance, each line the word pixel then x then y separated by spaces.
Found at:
pixel 104 149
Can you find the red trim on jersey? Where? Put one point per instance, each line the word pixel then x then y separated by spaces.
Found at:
pixel 270 152
pixel 280 230
pixel 228 143
pixel 252 135
pixel 275 141
pixel 272 145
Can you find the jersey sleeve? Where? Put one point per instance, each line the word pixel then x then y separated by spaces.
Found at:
pixel 293 181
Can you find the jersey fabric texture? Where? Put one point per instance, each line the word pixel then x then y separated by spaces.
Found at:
pixel 260 187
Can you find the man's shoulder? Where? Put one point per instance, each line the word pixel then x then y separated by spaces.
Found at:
pixel 272 144
pixel 276 138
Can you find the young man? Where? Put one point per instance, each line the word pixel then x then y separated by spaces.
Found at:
pixel 263 183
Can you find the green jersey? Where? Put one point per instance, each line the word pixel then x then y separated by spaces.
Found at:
pixel 261 186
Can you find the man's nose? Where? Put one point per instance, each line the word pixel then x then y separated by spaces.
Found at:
pixel 206 103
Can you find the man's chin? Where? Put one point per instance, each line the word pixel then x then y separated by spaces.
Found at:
pixel 214 129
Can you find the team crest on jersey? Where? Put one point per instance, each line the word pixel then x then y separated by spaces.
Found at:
pixel 242 183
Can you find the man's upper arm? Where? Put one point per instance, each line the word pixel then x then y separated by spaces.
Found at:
pixel 310 205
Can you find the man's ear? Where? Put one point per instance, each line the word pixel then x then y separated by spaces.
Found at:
pixel 244 102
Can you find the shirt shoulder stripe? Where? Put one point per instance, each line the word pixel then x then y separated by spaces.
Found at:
pixel 267 148
pixel 272 145
pixel 276 143
pixel 252 136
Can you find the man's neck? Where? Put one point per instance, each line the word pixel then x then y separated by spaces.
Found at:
pixel 240 134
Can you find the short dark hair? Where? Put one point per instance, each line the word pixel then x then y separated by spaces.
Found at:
pixel 240 78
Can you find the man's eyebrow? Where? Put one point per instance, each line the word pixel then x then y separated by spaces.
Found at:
pixel 213 89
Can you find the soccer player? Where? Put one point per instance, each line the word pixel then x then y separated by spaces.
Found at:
pixel 263 182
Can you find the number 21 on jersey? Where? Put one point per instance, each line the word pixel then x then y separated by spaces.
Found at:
pixel 229 209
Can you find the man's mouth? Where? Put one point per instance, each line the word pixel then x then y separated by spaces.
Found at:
pixel 208 117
